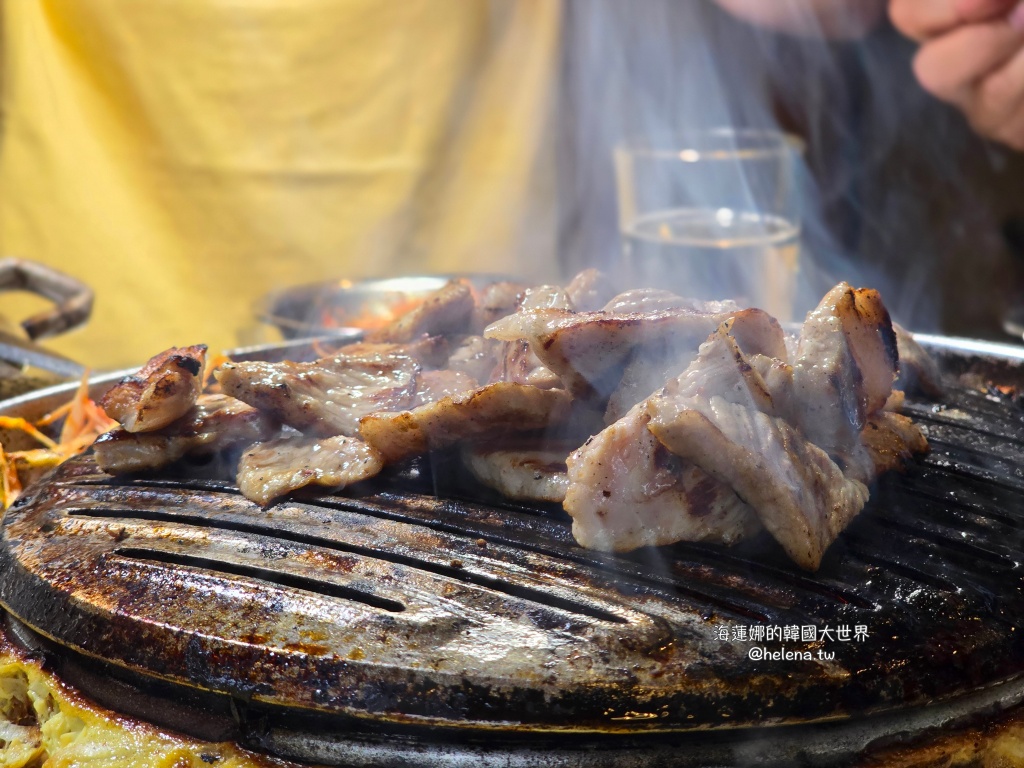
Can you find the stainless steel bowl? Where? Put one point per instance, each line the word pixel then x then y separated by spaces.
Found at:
pixel 344 307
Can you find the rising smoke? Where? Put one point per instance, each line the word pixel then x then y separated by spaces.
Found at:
pixel 897 191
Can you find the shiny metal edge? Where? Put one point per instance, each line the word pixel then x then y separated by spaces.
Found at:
pixel 824 744
pixel 1010 353
pixel 352 295
pixel 821 744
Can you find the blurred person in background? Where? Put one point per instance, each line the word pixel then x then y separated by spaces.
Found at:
pixel 972 56
pixel 187 156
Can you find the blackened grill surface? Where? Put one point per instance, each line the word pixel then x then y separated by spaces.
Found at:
pixel 395 606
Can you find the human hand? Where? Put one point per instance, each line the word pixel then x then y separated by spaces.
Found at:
pixel 972 56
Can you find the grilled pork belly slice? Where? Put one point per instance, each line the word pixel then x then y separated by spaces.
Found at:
pixel 587 350
pixel 845 367
pixel 326 397
pixel 489 411
pixel 214 423
pixel 163 390
pixel 799 494
pixel 447 310
pixel 626 491
pixel 278 467
pixel 528 470
pixel 737 418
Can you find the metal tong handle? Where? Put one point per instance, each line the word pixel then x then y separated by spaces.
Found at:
pixel 72 298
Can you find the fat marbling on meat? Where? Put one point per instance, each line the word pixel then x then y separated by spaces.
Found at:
pixel 798 492
pixel 326 397
pixel 488 411
pixel 627 491
pixel 587 350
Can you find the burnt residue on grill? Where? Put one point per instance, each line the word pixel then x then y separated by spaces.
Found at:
pixel 398 605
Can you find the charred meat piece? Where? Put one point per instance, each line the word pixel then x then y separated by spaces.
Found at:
pixel 845 367
pixel 872 340
pixel 163 390
pixel 214 423
pixel 587 350
pixel 799 494
pixel 278 467
pixel 529 469
pixel 326 397
pixel 488 412
pixel 447 310
pixel 626 491
pixel 891 439
pixel 918 371
pixel 746 421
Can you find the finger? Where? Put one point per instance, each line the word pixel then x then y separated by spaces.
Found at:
pixel 1016 17
pixel 951 65
pixel 970 11
pixel 997 107
pixel 925 19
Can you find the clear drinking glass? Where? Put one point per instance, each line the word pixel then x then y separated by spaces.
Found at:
pixel 713 215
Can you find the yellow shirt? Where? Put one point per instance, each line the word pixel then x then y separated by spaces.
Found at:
pixel 185 157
